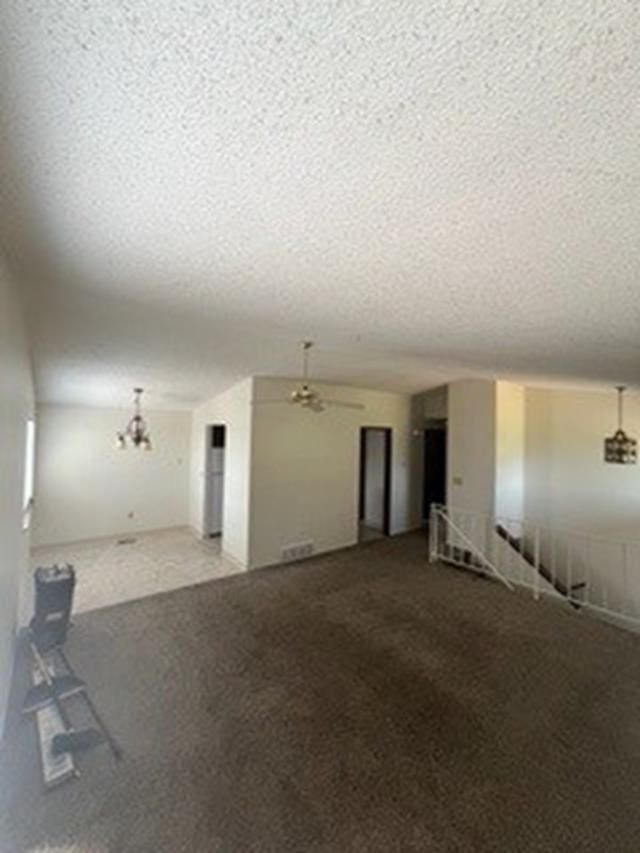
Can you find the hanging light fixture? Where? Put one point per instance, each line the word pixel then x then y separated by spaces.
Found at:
pixel 136 432
pixel 620 448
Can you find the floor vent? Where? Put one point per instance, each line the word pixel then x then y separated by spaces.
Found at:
pixel 296 551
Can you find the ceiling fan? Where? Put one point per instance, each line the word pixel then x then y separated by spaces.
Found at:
pixel 304 396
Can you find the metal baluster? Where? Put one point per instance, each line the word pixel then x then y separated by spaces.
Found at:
pixel 587 589
pixel 498 549
pixel 433 534
pixel 471 535
pixel 625 579
pixel 536 561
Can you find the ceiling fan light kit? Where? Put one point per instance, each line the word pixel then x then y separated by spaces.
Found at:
pixel 304 396
pixel 620 448
pixel 135 433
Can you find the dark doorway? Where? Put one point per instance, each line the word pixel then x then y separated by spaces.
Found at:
pixel 435 468
pixel 375 483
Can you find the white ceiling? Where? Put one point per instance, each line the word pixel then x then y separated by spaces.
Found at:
pixel 429 190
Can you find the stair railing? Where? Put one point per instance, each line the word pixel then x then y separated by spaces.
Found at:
pixel 438 514
pixel 589 572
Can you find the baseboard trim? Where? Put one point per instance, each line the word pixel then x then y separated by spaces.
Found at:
pixel 107 537
pixel 238 563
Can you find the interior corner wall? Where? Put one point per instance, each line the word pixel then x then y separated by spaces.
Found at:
pixel 471 445
pixel 87 489
pixel 233 409
pixel 16 407
pixel 305 467
pixel 510 449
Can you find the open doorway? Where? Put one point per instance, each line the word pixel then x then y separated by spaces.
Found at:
pixel 435 466
pixel 375 483
pixel 216 439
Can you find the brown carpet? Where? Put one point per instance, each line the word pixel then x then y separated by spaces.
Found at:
pixel 363 701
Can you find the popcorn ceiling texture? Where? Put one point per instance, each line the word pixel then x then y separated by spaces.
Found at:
pixel 431 190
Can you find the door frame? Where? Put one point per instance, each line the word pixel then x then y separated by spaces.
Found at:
pixel 388 449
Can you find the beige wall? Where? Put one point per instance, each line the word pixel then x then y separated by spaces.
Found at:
pixel 304 472
pixel 569 487
pixel 16 406
pixel 232 408
pixel 510 445
pixel 567 480
pixel 538 453
pixel 86 488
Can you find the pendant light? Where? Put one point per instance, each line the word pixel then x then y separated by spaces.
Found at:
pixel 620 448
pixel 136 433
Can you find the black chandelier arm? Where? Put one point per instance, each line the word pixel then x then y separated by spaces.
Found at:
pixel 621 390
pixel 136 431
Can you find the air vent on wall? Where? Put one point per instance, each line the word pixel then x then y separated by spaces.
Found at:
pixel 296 551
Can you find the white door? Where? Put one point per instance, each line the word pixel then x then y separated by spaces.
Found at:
pixel 216 496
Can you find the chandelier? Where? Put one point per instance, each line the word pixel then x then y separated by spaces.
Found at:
pixel 620 448
pixel 135 433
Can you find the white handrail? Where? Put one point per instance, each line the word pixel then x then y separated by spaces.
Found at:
pixel 474 548
pixel 544 528
pixel 594 574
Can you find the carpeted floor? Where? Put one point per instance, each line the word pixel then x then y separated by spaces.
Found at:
pixel 363 701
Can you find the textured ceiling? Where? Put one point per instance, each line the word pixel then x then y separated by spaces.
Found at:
pixel 430 190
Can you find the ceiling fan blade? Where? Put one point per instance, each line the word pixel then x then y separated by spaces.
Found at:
pixel 277 401
pixel 342 404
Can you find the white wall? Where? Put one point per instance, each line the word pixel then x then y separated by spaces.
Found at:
pixel 568 483
pixel 304 471
pixel 510 446
pixel 569 487
pixel 16 406
pixel 471 445
pixel 86 488
pixel 485 451
pixel 374 478
pixel 232 408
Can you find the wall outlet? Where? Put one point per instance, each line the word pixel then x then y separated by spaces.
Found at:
pixel 296 551
pixel 457 481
